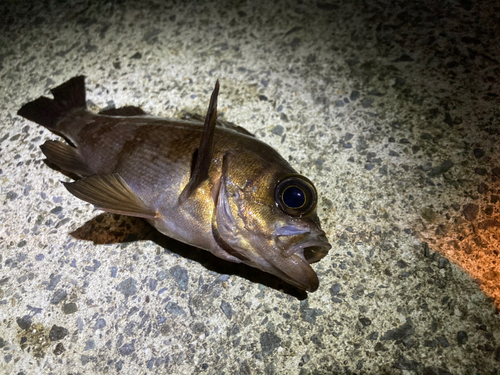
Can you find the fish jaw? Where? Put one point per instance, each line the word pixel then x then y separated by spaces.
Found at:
pixel 295 269
pixel 291 256
pixel 285 250
pixel 305 236
pixel 265 254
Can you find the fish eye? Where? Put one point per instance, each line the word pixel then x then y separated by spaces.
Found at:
pixel 295 195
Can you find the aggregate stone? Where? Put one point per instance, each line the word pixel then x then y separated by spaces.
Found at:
pixel 24 322
pixel 128 287
pixel 402 332
pixel 470 211
pixel 269 341
pixel 462 337
pixel 58 296
pixel 181 275
pixel 175 309
pixel 89 345
pixel 70 308
pixel 57 333
pixel 127 349
pixel 100 323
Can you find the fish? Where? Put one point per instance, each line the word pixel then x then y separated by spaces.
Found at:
pixel 203 181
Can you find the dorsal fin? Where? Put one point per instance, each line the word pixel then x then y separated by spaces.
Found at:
pixel 206 149
pixel 222 123
pixel 128 110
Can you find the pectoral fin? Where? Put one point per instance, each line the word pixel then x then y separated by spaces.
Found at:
pixel 112 194
pixel 206 149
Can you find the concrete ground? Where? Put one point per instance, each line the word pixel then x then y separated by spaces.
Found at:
pixel 392 109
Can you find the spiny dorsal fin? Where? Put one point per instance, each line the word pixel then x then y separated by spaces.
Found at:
pixel 206 149
pixel 128 110
pixel 222 123
pixel 112 194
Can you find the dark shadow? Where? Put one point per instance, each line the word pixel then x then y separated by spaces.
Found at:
pixel 111 228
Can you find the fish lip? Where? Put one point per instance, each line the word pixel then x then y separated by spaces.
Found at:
pixel 289 230
pixel 310 283
pixel 313 247
pixel 298 272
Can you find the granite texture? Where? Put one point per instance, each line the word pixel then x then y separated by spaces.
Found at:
pixel 392 109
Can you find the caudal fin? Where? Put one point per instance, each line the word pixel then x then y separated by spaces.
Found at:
pixel 47 112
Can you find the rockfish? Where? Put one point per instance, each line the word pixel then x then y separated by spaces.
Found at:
pixel 205 182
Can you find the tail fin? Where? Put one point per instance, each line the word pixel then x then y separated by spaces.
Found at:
pixel 47 112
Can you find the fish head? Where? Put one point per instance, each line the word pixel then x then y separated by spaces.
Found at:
pixel 270 222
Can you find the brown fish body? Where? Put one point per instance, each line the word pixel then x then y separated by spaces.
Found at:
pixel 219 196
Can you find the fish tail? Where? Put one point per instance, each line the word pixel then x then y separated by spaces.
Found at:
pixel 47 112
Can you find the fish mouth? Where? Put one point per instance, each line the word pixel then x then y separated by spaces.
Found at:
pixel 304 254
pixel 312 245
pixel 313 250
pixel 293 265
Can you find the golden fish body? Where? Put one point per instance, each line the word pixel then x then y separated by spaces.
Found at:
pixel 209 184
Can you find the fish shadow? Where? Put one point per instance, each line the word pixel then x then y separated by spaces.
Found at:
pixel 109 228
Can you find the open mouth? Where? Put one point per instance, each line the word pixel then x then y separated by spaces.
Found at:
pixel 299 248
pixel 313 247
pixel 313 250
pixel 314 253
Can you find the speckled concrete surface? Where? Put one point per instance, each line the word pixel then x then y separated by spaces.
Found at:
pixel 391 108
